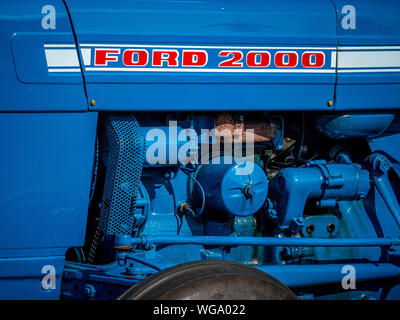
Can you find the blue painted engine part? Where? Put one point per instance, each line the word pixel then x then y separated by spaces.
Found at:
pixel 358 125
pixel 324 183
pixel 239 189
pixel 163 145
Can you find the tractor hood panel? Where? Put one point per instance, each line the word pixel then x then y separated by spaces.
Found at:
pixel 207 55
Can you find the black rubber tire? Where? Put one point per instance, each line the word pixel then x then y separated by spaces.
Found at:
pixel 209 280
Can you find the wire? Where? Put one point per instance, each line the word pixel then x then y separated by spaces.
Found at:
pixel 179 220
pixel 188 173
pixel 80 254
pixel 302 136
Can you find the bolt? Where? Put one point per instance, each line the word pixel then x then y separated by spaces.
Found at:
pixel 383 165
pixel 380 164
pixel 310 228
pixel 330 103
pixel 92 102
pixel 249 191
pixel 331 228
pixel 89 290
pixel 362 196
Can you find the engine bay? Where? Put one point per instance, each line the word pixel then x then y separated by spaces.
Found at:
pixel 263 189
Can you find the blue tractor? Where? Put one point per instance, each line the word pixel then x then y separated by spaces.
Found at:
pixel 200 149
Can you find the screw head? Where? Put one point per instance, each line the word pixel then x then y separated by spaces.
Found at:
pixel 310 228
pixel 330 103
pixel 89 290
pixel 92 102
pixel 381 165
pixel 331 228
pixel 249 191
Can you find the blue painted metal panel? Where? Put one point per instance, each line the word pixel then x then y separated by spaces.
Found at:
pixel 201 97
pixel 377 22
pixel 367 96
pixel 45 171
pixel 25 83
pixel 368 62
pixel 20 278
pixel 330 273
pixel 208 25
pixel 34 69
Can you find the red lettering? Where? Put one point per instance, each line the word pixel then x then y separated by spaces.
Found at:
pixel 135 57
pixel 313 59
pixel 102 56
pixel 194 58
pixel 258 59
pixel 168 56
pixel 286 59
pixel 232 62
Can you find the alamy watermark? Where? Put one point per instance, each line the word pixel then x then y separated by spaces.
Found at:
pixel 186 146
pixel 49 280
pixel 349 19
pixel 349 280
pixel 49 20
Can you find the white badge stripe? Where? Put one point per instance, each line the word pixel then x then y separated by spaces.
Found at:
pixel 368 59
pixel 214 70
pixel 367 70
pixel 341 48
pixel 86 56
pixel 161 46
pixel 59 45
pixel 333 59
pixel 347 59
pixel 65 70
pixel 61 58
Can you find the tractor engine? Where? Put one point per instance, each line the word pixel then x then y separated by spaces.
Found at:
pixel 262 189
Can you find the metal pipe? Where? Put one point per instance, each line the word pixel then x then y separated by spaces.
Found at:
pixel 380 169
pixel 267 241
pixel 313 275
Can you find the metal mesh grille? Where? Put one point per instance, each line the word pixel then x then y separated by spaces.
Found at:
pixel 124 168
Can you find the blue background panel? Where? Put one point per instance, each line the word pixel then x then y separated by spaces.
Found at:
pixel 22 277
pixel 198 97
pixel 206 23
pixel 45 169
pixel 367 96
pixel 376 22
pixel 24 16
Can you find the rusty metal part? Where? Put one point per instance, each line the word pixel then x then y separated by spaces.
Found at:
pixel 264 129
